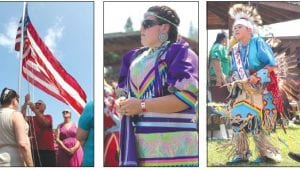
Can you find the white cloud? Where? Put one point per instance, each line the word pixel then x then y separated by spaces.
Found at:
pixel 54 34
pixel 7 39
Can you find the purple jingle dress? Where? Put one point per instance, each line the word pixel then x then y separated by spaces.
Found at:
pixel 160 139
pixel 68 137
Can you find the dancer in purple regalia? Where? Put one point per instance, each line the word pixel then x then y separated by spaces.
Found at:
pixel 159 86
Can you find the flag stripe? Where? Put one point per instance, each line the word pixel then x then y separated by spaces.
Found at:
pixel 38 70
pixel 31 71
pixel 18 36
pixel 30 66
pixel 44 86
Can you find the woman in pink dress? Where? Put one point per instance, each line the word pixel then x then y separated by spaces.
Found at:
pixel 69 152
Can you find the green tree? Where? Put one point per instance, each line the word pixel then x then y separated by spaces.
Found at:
pixel 112 62
pixel 193 32
pixel 111 58
pixel 128 25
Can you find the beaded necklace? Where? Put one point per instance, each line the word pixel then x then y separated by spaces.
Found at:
pixel 245 59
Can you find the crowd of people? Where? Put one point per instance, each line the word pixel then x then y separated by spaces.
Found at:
pixel 30 140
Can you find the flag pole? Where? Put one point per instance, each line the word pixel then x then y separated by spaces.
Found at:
pixel 21 49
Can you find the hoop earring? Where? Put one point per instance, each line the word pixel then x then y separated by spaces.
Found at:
pixel 163 37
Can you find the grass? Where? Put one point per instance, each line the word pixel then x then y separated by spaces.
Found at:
pixel 217 158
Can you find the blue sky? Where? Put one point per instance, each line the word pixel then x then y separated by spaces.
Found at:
pixel 67 29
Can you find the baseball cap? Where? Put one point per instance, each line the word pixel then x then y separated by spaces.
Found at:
pixel 41 101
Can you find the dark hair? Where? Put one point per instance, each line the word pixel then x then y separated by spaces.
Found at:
pixel 7 95
pixel 220 37
pixel 169 14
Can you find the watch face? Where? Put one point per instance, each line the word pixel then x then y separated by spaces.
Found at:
pixel 143 105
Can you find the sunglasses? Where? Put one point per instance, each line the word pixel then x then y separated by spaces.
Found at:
pixel 65 112
pixel 148 23
pixel 37 104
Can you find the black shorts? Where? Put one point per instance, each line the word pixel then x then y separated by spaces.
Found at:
pixel 44 158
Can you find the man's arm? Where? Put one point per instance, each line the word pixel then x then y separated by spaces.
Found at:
pixel 24 106
pixel 218 71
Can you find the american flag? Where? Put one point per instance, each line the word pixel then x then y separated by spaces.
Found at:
pixel 43 70
pixel 19 30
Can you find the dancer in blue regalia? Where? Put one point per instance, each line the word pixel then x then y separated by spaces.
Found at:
pixel 257 100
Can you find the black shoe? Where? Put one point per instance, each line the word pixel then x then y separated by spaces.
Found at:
pixel 294 156
pixel 297 122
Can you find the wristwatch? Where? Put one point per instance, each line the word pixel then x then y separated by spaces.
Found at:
pixel 143 105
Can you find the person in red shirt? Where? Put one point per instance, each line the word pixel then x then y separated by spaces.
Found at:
pixel 41 133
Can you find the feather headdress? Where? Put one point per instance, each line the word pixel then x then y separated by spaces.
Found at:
pixel 246 15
